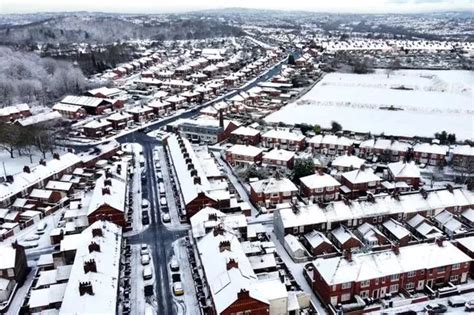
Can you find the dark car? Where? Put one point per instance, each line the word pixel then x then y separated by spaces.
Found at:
pixel 434 308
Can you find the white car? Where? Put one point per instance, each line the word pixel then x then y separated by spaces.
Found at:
pixel 166 217
pixel 144 250
pixel 41 228
pixel 33 237
pixel 145 259
pixel 147 273
pixel 174 265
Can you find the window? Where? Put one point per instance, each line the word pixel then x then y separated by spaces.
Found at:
pixel 441 269
pixel 372 184
pixel 345 297
pixel 454 278
pixel 411 274
pixel 410 285
pixel 364 293
pixel 346 285
pixel 394 288
pixel 334 287
pixel 11 273
pixel 330 188
pixel 365 283
pixel 456 266
pixel 395 277
pixel 319 190
pixel 374 220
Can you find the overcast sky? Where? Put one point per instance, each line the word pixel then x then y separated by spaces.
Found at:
pixel 159 6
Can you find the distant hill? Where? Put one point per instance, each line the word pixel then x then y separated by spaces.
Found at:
pixel 95 28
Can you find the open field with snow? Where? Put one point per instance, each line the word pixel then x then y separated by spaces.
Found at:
pixel 428 102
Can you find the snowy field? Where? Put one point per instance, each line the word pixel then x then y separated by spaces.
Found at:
pixel 429 102
pixel 15 165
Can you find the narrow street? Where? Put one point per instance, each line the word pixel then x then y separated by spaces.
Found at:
pixel 157 236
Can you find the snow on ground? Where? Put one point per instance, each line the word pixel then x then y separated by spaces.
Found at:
pixel 436 100
pixel 15 165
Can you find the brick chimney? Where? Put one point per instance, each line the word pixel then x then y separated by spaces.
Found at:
pixel 348 255
pixel 193 172
pixel 94 247
pixel 97 232
pixel 56 156
pixel 218 230
pixel 108 174
pixel 42 162
pixel 396 248
pixel 212 217
pixel 108 182
pixel 105 191
pixel 224 245
pixel 190 166
pixel 26 169
pixel 197 180
pixel 221 119
pixel 243 294
pixel 232 264
pixel 90 266
pixel 85 288
pixel 439 241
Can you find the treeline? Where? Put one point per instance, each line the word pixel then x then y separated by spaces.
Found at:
pixel 28 78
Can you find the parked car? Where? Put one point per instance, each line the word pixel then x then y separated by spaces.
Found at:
pixel 436 308
pixel 144 249
pixel 178 288
pixel 145 259
pixel 145 219
pixel 456 301
pixel 145 204
pixel 174 265
pixel 33 237
pixel 41 228
pixel 147 273
pixel 163 201
pixel 27 245
pixel 469 307
pixel 166 217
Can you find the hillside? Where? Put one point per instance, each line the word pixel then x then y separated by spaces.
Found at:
pixel 107 29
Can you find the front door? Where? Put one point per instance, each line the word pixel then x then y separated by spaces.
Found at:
pixel 383 291
pixel 375 294
pixel 420 285
pixel 429 283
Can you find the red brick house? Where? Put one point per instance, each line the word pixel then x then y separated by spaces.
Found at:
pixel 330 144
pixel 283 138
pixel 387 149
pixel 243 154
pixel 108 201
pixel 466 244
pixel 97 128
pixel 14 112
pixel 13 264
pixel 318 244
pixel 245 135
pixel 396 232
pixel 42 196
pixel 141 113
pixel 405 172
pixel 120 120
pixel 271 191
pixel 406 269
pixel 93 105
pixel 279 158
pixel 463 157
pixel 358 182
pixel 70 111
pixel 319 187
pixel 430 154
pixel 344 239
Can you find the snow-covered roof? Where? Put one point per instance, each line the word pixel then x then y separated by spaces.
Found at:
pixel 279 155
pixel 283 134
pixel 119 116
pixel 467 242
pixel 40 193
pixel 114 196
pixel 105 282
pixel 347 161
pixel 369 232
pixel 58 185
pixel 47 296
pixel 342 235
pixel 95 124
pixel 208 218
pixel 319 181
pixel 396 229
pixel 403 170
pixel 465 150
pixel 66 107
pixel 39 118
pixel 361 176
pixel 7 257
pixel 105 91
pixel 245 131
pixel 273 185
pixel 294 244
pixel 13 109
pixel 87 101
pixel 331 140
pixel 141 109
pixel 246 150
pixel 23 180
pixel 374 265
pixel 339 211
pixel 225 283
pixel 431 148
pixel 316 238
pixel 385 144
pixel 468 214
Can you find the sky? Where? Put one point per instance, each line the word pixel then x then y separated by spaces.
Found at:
pixel 166 6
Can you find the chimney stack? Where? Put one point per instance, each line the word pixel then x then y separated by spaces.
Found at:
pixel 396 248
pixel 56 156
pixel 221 119
pixel 232 264
pixel 97 232
pixel 440 241
pixel 197 180
pixel 348 255
pixel 224 245
pixel 90 266
pixel 26 169
pixel 94 247
pixel 85 288
pixel 105 191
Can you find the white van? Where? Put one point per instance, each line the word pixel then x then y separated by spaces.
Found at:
pixel 147 273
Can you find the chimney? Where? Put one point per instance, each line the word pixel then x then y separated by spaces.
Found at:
pixel 9 179
pixel 26 169
pixel 320 172
pixel 56 156
pixel 97 232
pixel 197 180
pixel 362 167
pixel 85 288
pixel 450 188
pixel 193 172
pixel 183 150
pixel 221 119
pixel 42 162
pixel 187 159
pixel 424 193
pixel 186 156
pixel 396 248
pixel 212 217
pixel 243 294
pixel 105 191
pixel 224 245
pixel 190 166
pixel 439 241
pixel 90 266
pixel 93 246
pixel 218 230
pixel 108 182
pixel 232 264
pixel 108 174
pixel 348 255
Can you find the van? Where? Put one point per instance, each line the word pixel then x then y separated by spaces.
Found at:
pixel 147 273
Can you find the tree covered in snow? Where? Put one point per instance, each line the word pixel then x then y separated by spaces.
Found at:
pixel 28 78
